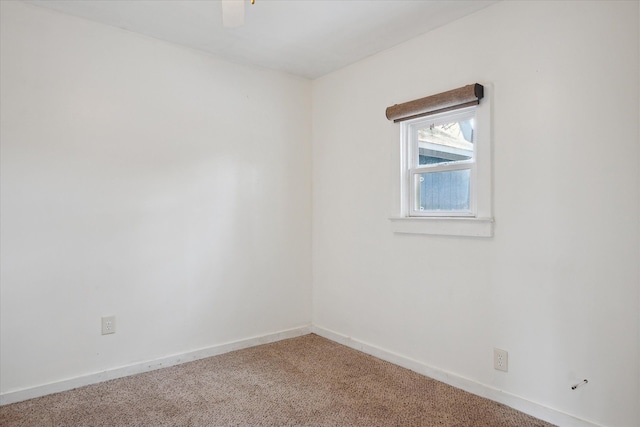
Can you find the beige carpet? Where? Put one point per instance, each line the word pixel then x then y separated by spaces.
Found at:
pixel 305 381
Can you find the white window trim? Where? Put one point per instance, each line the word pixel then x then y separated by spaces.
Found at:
pixel 479 225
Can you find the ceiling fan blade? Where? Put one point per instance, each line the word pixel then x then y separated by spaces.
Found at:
pixel 232 13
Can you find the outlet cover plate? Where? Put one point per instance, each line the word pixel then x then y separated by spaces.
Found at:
pixel 108 325
pixel 500 360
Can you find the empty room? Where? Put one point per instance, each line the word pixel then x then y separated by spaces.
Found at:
pixel 319 213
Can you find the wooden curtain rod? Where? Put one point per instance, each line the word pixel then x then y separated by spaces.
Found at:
pixel 445 101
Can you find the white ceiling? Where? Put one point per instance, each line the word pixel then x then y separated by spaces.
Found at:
pixel 307 38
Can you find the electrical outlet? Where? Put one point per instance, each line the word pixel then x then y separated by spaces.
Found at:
pixel 108 325
pixel 500 360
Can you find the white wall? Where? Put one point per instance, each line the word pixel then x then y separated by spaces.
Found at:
pixel 148 181
pixel 557 286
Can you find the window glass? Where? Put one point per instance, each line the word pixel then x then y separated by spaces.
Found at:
pixel 448 142
pixel 442 191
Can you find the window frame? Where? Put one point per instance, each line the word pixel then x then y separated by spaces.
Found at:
pixel 409 139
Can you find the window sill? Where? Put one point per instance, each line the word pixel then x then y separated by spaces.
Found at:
pixel 472 227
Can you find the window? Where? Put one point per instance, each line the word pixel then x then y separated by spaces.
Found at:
pixel 441 173
pixel 444 164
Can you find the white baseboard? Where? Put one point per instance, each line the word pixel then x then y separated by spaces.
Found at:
pixel 150 365
pixel 521 404
pixel 516 402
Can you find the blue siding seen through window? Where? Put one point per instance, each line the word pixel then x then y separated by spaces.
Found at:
pixel 443 191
